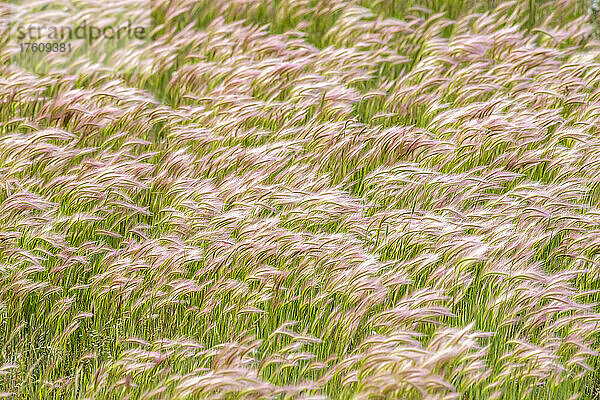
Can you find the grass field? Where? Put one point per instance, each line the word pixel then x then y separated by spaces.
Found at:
pixel 302 199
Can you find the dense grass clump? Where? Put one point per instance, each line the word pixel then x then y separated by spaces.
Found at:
pixel 302 199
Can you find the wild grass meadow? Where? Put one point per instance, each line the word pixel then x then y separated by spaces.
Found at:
pixel 302 199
